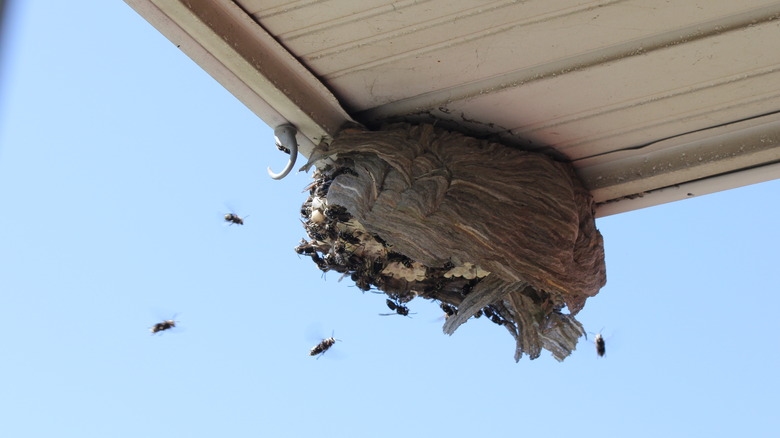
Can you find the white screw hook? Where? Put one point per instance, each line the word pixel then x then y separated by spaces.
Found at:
pixel 285 138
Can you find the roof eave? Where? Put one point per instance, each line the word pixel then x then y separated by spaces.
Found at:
pixel 224 41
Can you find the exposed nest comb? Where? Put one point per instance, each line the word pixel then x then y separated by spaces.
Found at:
pixel 416 211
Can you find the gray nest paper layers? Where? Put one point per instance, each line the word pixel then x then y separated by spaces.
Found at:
pixel 416 211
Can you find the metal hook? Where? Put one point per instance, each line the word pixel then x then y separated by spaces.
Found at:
pixel 285 137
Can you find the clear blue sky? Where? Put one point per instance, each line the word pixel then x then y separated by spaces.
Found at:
pixel 118 155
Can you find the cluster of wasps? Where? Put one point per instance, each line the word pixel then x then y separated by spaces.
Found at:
pixel 494 315
pixel 318 350
pixel 339 243
pixel 396 304
pixel 232 219
pixel 324 345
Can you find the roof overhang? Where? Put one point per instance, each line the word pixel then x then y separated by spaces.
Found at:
pixel 651 102
pixel 225 42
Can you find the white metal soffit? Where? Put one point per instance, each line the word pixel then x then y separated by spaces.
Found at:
pixel 651 100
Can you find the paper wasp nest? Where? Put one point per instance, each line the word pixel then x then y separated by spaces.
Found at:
pixel 416 211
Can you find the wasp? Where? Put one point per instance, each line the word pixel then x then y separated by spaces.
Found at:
pixel 601 348
pixel 234 219
pixel 306 248
pixel 283 149
pixel 400 258
pixel 468 287
pixel 162 326
pixel 321 263
pixel 324 345
pixel 339 213
pixel 398 308
pixel 493 316
pixel 448 309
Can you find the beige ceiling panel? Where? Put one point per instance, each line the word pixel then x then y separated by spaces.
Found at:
pixel 683 159
pixel 507 56
pixel 366 25
pixel 291 17
pixel 417 25
pixel 252 6
pixel 583 113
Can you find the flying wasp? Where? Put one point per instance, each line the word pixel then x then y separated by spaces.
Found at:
pixel 162 326
pixel 320 349
pixel 398 308
pixel 598 341
pixel 235 219
pixel 601 348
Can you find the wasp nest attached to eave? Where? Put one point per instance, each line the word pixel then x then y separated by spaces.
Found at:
pixel 483 228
